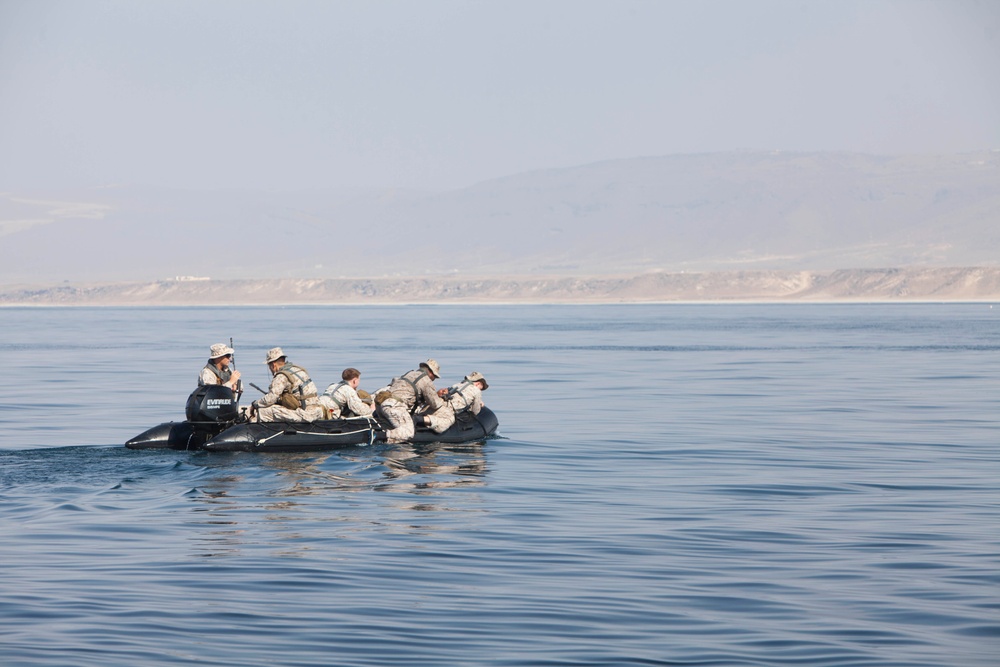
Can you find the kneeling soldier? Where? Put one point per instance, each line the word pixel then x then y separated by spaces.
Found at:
pixel 467 395
pixel 394 411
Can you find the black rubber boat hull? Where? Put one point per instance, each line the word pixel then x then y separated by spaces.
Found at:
pixel 467 428
pixel 338 433
pixel 171 435
pixel 292 437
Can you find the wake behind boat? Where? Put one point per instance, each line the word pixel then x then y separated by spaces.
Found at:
pixel 213 422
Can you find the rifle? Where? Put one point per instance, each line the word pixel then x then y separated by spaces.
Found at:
pixel 253 405
pixel 239 383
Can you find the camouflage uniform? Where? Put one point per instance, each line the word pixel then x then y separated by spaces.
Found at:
pixel 293 380
pixel 464 396
pixel 341 400
pixel 416 389
pixel 394 411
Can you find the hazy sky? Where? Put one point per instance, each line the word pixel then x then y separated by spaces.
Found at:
pixel 441 94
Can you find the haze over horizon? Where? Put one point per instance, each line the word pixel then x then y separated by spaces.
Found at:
pixel 442 95
pixel 146 140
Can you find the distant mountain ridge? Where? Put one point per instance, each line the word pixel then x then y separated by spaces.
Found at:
pixel 732 211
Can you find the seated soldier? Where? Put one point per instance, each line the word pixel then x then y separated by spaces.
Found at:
pixel 217 370
pixel 343 400
pixel 292 395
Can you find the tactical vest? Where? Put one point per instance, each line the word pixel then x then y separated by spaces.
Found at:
pixel 410 378
pixel 458 392
pixel 222 375
pixel 333 395
pixel 302 393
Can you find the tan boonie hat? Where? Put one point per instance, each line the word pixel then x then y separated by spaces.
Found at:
pixel 432 366
pixel 273 353
pixel 219 350
pixel 365 396
pixel 476 376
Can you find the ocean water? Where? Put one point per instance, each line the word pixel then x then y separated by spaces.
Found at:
pixel 670 485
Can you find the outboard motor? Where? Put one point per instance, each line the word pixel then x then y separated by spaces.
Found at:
pixel 212 404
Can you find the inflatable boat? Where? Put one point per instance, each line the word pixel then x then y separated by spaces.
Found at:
pixel 213 423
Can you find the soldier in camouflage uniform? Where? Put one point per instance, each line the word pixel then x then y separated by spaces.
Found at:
pixel 342 399
pixel 217 370
pixel 416 390
pixel 467 395
pixel 395 412
pixel 292 396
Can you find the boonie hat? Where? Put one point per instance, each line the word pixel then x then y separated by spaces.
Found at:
pixel 432 366
pixel 365 396
pixel 476 376
pixel 219 350
pixel 273 353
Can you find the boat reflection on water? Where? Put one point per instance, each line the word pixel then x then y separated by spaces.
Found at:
pixel 314 474
pixel 244 509
pixel 448 465
pixel 426 478
pixel 421 466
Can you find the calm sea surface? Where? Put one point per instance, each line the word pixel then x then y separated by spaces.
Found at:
pixel 671 485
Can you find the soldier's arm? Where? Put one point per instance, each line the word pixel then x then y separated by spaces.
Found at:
pixel 356 405
pixel 431 396
pixel 277 388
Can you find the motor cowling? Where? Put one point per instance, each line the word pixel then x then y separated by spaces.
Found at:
pixel 212 404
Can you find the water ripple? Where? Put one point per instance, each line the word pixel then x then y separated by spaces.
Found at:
pixel 675 485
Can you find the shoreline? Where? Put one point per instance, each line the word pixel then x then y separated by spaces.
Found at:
pixel 404 304
pixel 893 285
